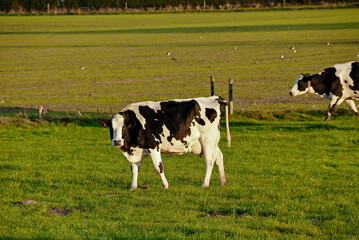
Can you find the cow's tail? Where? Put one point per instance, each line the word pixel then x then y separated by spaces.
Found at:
pixel 227 128
pixel 224 104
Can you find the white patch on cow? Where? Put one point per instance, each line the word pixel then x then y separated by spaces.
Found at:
pixel 136 156
pixel 177 146
pixel 343 71
pixel 117 124
pixel 294 91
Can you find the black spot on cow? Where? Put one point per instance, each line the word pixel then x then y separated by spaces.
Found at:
pixel 211 114
pixel 304 82
pixel 327 82
pixel 354 74
pixel 200 121
pixel 160 166
pixel 176 116
pixel 133 133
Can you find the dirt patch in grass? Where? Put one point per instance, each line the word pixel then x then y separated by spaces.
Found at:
pixel 236 214
pixel 216 214
pixel 60 211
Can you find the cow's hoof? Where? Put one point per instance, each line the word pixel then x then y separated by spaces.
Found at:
pixel 165 186
pixel 357 113
pixel 327 119
pixel 222 184
pixel 133 188
pixel 205 186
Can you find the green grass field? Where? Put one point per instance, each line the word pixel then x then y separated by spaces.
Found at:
pixel 286 179
pixel 290 175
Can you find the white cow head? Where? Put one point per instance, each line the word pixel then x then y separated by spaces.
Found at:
pixel 116 127
pixel 302 85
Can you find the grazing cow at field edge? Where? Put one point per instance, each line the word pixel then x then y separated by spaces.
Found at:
pixel 339 82
pixel 175 127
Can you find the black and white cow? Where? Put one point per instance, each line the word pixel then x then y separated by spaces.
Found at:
pixel 175 127
pixel 339 82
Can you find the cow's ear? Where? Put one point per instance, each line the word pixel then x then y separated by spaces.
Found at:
pixel 105 123
pixel 306 75
pixel 129 123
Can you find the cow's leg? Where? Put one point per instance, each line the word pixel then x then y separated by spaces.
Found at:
pixel 157 164
pixel 134 168
pixel 219 163
pixel 351 104
pixel 335 101
pixel 209 157
pixel 135 159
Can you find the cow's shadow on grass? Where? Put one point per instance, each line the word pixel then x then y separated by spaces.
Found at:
pixel 290 121
pixel 295 120
pixel 285 127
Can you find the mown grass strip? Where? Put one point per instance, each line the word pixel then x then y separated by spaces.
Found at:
pixel 252 28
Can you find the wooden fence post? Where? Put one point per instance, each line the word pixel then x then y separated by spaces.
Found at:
pixel 231 96
pixel 212 85
pixel 126 6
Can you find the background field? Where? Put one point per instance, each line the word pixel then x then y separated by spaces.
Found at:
pixel 125 61
pixel 290 175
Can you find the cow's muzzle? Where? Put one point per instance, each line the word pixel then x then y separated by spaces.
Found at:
pixel 290 93
pixel 118 143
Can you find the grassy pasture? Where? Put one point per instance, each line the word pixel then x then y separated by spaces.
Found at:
pixel 286 179
pixel 291 176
